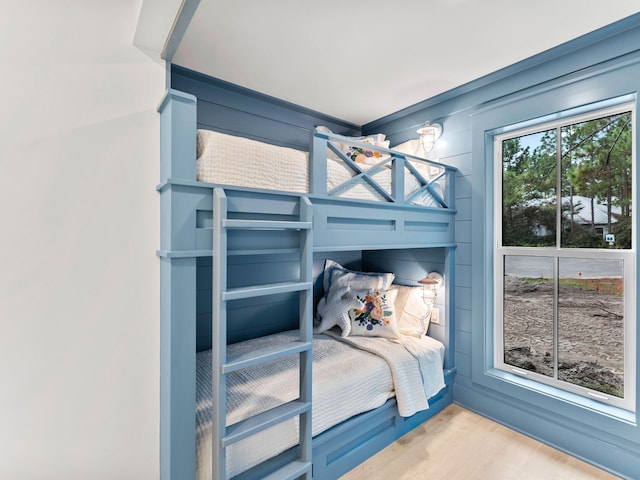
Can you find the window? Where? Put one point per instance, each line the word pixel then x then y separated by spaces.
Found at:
pixel 565 254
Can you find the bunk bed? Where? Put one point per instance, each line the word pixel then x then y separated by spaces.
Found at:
pixel 348 195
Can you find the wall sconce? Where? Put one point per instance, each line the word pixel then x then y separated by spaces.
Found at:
pixel 429 135
pixel 432 282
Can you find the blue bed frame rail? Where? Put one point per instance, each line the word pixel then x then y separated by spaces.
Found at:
pixel 324 144
pixel 339 224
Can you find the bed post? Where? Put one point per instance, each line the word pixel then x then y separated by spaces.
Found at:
pixel 450 329
pixel 177 288
pixel 318 163
pixel 397 182
pixel 450 270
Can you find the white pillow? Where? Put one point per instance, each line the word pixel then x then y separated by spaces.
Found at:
pixel 337 281
pixel 336 276
pixel 410 147
pixel 412 312
pixel 323 129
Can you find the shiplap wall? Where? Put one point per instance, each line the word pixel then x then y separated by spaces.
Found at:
pixel 598 66
pixel 231 109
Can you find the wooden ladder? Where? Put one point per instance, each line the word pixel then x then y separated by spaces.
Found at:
pixel 224 436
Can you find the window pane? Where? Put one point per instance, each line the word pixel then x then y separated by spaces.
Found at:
pixel 591 324
pixel 529 190
pixel 528 313
pixel 596 183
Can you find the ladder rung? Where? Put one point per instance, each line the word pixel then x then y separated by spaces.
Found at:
pixel 268 289
pixel 266 225
pixel 262 421
pixel 290 471
pixel 264 355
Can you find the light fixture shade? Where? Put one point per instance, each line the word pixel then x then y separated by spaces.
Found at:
pixel 429 135
pixel 432 281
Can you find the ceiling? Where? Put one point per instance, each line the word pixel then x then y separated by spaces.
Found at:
pixel 360 60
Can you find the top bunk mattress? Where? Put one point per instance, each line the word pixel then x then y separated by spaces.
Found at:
pixel 237 161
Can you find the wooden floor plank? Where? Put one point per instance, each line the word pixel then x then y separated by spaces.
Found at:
pixel 459 444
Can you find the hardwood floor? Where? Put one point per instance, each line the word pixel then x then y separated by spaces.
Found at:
pixel 459 444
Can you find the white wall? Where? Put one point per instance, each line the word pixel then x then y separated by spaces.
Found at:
pixel 79 279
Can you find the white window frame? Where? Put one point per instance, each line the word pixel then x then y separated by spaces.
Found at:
pixel 557 252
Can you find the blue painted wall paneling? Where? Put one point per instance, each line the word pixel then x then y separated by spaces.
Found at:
pixel 231 109
pixel 238 111
pixel 410 265
pixel 463 319
pixel 235 110
pixel 603 435
pixel 601 65
pixel 256 317
pixel 280 312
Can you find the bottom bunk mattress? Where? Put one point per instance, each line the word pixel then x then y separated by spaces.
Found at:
pixel 350 376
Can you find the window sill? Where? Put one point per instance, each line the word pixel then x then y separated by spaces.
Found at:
pixel 573 399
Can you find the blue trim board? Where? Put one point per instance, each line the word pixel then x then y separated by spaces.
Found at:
pixel 177 395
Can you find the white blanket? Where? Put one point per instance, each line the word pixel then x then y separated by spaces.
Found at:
pixel 238 161
pixel 346 381
pixel 415 364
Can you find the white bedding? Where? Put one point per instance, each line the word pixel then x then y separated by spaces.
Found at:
pixel 230 160
pixel 377 370
pixel 415 364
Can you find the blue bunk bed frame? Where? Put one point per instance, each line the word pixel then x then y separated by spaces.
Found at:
pixel 338 225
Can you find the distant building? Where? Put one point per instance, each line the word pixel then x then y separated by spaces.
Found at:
pixel 581 214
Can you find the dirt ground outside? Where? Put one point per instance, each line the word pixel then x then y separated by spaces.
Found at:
pixel 590 330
